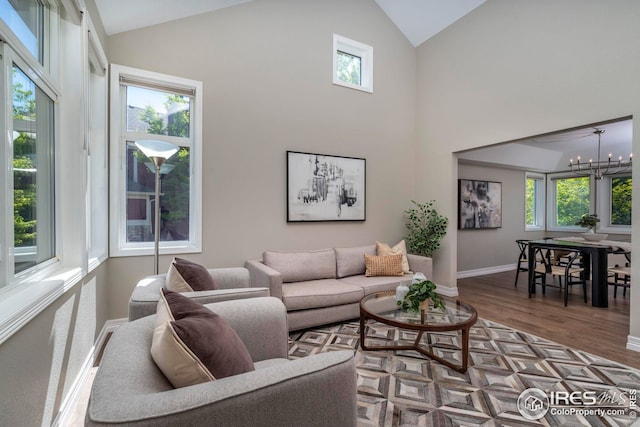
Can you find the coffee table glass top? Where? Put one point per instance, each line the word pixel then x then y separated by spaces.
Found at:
pixel 383 305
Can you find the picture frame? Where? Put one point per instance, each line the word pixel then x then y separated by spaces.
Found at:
pixel 322 187
pixel 479 204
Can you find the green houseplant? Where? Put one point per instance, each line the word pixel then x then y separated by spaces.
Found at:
pixel 589 221
pixel 425 228
pixel 418 293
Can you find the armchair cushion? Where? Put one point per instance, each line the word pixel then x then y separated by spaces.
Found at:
pixel 188 276
pixel 192 345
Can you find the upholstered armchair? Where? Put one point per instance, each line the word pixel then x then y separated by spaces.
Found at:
pixel 319 390
pixel 233 283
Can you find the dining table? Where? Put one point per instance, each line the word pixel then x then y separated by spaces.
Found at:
pixel 595 259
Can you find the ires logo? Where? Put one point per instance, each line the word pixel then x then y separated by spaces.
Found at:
pixel 575 398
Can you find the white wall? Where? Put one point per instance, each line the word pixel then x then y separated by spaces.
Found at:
pixel 266 72
pixel 512 69
pixel 473 245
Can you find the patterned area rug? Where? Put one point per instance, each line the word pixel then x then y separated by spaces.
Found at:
pixel 404 388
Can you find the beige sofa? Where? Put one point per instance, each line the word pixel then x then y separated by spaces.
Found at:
pixel 324 286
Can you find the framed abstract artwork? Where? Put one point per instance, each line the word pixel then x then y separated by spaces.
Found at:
pixel 322 187
pixel 479 204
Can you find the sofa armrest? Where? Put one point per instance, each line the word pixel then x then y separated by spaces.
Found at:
pixel 421 264
pixel 264 276
pixel 319 390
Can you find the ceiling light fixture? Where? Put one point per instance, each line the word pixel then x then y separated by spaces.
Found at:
pixel 599 169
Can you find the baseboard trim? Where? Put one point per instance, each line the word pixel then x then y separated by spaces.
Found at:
pixel 483 271
pixel 70 401
pixel 633 343
pixel 447 291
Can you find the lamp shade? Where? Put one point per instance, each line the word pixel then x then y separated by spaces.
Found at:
pixel 157 151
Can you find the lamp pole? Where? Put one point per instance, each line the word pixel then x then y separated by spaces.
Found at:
pixel 158 152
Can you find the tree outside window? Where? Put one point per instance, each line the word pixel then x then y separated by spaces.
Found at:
pixel 572 200
pixel 621 200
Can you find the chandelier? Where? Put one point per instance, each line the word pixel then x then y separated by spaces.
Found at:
pixel 599 169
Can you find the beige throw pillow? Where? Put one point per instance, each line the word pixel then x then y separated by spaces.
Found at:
pixel 401 248
pixel 387 265
pixel 192 345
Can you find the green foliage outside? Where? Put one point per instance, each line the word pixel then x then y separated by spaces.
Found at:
pixel 621 201
pixel 24 186
pixel 572 200
pixel 175 185
pixel 530 194
pixel 425 228
pixel 349 68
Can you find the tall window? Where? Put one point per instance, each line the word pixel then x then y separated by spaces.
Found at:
pixel 97 172
pixel 534 201
pixel 570 199
pixel 33 173
pixel 153 106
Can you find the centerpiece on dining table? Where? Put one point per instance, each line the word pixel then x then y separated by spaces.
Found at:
pixel 590 222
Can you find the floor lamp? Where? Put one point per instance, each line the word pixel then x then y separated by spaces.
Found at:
pixel 158 152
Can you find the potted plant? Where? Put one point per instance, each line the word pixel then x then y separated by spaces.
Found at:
pixel 419 295
pixel 589 221
pixel 425 228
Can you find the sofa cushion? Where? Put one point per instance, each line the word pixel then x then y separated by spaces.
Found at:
pixel 299 266
pixel 388 265
pixel 188 276
pixel 350 261
pixel 319 293
pixel 399 248
pixel 376 284
pixel 192 345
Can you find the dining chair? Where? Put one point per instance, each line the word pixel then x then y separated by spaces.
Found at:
pixel 523 261
pixel 621 276
pixel 565 265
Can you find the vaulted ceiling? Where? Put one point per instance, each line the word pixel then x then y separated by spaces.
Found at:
pixel 417 19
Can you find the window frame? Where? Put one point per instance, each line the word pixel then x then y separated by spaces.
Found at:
pixel 604 205
pixel 119 246
pixel 540 198
pixel 552 220
pixel 354 48
pixel 97 152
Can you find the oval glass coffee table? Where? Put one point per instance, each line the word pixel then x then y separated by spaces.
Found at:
pixel 456 316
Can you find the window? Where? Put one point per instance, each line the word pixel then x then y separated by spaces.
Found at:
pixel 25 18
pixel 615 204
pixel 33 173
pixel 620 206
pixel 149 105
pixel 97 188
pixel 28 177
pixel 352 64
pixel 569 199
pixel 534 201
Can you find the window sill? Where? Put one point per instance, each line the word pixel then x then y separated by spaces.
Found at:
pixel 22 302
pixel 148 251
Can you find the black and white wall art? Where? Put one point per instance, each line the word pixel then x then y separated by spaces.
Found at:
pixel 321 187
pixel 479 204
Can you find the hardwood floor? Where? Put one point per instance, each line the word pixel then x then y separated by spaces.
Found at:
pixel 599 331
